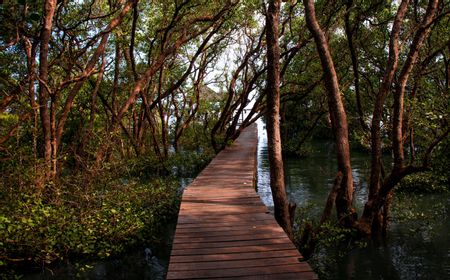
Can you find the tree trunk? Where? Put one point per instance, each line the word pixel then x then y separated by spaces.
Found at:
pixel 30 50
pixel 355 64
pixel 49 11
pixel 421 34
pixel 338 118
pixel 281 203
pixel 365 223
pixel 380 190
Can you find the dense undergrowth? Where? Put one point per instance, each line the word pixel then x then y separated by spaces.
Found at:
pixel 99 221
pixel 122 206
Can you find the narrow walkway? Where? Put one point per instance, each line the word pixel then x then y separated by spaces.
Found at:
pixel 224 230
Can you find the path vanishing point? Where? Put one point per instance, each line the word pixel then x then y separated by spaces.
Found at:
pixel 224 231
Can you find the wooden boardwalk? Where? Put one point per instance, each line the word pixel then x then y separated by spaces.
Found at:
pixel 224 231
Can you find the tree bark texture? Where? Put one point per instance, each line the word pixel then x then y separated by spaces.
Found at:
pixel 380 190
pixel 338 117
pixel 49 11
pixel 375 133
pixel 277 185
pixel 349 31
pixel 403 78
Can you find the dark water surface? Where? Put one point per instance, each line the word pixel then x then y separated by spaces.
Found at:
pixel 418 244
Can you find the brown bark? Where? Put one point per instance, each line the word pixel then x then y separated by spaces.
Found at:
pixel 192 105
pixel 89 68
pixel 77 87
pixel 344 198
pixel 52 127
pixel 93 111
pixel 201 49
pixel 106 144
pixel 349 31
pixel 151 121
pixel 280 200
pixel 411 59
pixel 380 191
pixel 162 117
pixel 57 127
pixel 375 132
pixel 133 38
pixel 49 11
pixel 115 90
pixel 326 215
pixel 237 101
pixel 227 110
pixel 156 64
pixel 30 50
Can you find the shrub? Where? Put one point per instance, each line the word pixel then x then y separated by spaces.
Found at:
pixel 101 221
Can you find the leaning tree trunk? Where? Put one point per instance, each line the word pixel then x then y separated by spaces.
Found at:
pixel 344 197
pixel 380 192
pixel 281 203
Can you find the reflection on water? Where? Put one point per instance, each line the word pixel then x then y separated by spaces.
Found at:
pixel 415 249
pixel 263 182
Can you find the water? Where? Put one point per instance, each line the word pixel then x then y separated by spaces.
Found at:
pixel 418 243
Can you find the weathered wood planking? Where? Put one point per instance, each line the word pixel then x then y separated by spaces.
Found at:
pixel 224 231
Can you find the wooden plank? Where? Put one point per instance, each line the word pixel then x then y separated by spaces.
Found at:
pixel 267 241
pixel 236 256
pixel 242 237
pixel 199 223
pixel 220 191
pixel 221 205
pixel 222 217
pixel 234 232
pixel 228 228
pixel 219 211
pixel 228 250
pixel 234 272
pixel 235 264
pixel 224 199
pixel 307 275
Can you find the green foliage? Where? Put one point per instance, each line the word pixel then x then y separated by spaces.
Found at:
pixel 331 235
pixel 99 222
pixel 290 147
pixel 189 163
pixel 326 243
pixel 426 182
pixel 303 219
pixel 359 140
pixel 435 181
pixel 421 216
